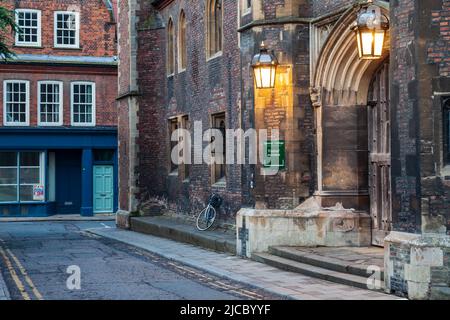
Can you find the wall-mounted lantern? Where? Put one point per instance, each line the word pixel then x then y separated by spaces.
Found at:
pixel 370 29
pixel 264 66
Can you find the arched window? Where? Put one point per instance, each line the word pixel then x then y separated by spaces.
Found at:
pixel 182 49
pixel 214 26
pixel 170 48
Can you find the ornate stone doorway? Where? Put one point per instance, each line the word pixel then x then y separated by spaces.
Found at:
pixel 379 134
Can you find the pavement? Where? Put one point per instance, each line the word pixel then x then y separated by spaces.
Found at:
pixel 66 217
pixel 283 283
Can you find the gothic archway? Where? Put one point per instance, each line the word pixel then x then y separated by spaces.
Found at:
pixel 340 94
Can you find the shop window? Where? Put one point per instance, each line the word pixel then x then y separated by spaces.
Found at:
pixel 215 28
pixel 173 126
pixel 170 48
pixel 219 156
pixel 16 102
pixel 103 155
pixel 83 104
pixel 21 176
pixel 67 29
pixel 182 47
pixel 29 23
pixel 50 103
pixel 446 135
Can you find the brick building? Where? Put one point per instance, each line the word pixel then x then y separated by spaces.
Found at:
pixel 366 141
pixel 58 119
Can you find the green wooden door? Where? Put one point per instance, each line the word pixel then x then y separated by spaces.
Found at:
pixel 103 189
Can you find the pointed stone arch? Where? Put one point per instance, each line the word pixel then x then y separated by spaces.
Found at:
pixel 339 92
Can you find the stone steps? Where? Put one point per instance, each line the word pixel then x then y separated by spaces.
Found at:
pixel 176 230
pixel 326 262
pixel 314 271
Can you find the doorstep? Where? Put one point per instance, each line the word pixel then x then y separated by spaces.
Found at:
pixel 218 239
pixel 345 265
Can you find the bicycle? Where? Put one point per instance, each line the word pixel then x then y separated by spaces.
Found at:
pixel 207 216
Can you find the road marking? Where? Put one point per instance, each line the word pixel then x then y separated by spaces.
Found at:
pixel 106 227
pixel 36 292
pixel 14 276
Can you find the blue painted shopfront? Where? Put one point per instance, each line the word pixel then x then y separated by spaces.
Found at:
pixel 64 169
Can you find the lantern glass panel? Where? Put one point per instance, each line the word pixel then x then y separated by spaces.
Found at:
pixel 367 42
pixel 379 41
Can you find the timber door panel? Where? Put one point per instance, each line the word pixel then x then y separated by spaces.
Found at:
pixel 103 189
pixel 380 156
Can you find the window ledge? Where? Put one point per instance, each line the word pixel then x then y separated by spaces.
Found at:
pixel 214 56
pixel 68 48
pixel 29 46
pixel 220 184
pixel 174 173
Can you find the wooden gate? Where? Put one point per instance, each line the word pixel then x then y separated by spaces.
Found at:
pixel 380 155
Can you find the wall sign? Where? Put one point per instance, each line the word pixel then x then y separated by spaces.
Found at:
pixel 274 154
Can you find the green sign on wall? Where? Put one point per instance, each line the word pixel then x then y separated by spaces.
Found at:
pixel 274 154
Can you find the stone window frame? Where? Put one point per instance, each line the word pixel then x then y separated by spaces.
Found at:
pixel 6 102
pixel 38 42
pixel 170 47
pixel 246 7
pixel 40 102
pixel 214 167
pixel 76 45
pixel 445 102
pixel 214 29
pixel 186 125
pixel 182 41
pixel 172 125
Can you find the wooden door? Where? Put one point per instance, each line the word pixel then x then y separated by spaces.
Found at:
pixel 380 155
pixel 103 189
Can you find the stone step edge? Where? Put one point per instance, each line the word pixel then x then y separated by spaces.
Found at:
pixel 320 261
pixel 177 234
pixel 315 272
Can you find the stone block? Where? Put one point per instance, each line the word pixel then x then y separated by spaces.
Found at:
pixel 432 257
pixel 417 273
pixel 418 290
pixel 300 227
pixel 123 220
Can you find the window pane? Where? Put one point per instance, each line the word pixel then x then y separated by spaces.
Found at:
pixel 29 176
pixel 103 155
pixel 8 176
pixel 8 193
pixel 8 159
pixel 29 159
pixel 26 193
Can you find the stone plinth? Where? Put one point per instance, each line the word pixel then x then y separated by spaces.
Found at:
pixel 417 265
pixel 123 220
pixel 305 226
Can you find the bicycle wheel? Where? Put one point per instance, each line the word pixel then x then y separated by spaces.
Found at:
pixel 206 218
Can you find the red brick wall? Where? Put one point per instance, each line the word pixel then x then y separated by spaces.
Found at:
pixel 439 49
pixel 97 30
pixel 104 78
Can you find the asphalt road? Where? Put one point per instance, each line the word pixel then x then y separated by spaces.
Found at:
pixel 61 261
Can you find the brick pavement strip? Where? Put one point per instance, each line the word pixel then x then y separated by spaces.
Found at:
pixel 246 271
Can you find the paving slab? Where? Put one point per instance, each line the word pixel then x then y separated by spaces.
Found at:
pixel 284 283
